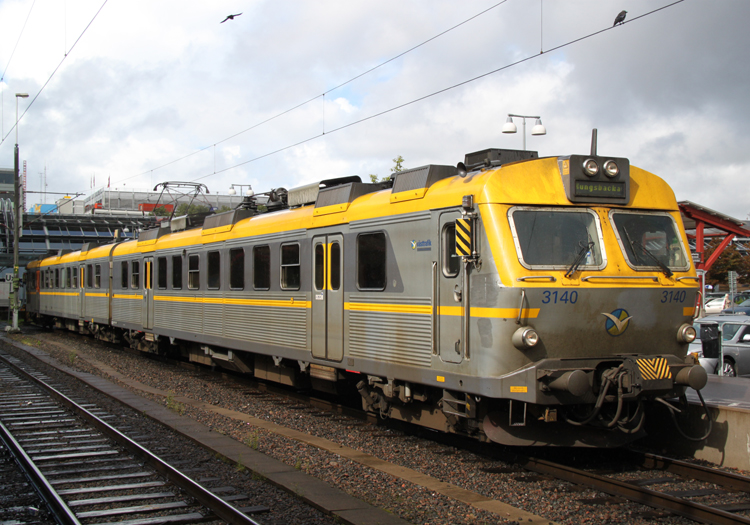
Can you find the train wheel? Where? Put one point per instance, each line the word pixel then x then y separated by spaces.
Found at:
pixel 729 368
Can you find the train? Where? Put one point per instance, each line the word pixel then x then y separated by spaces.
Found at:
pixel 510 298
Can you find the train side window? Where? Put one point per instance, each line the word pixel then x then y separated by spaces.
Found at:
pixel 135 275
pixel 57 278
pixel 194 272
pixel 124 274
pixel 237 269
pixel 290 268
pixel 451 262
pixel 262 267
pixel 98 276
pixel 74 274
pixel 177 272
pixel 371 261
pixel 335 266
pixel 89 276
pixel 68 274
pixel 161 272
pixel 214 270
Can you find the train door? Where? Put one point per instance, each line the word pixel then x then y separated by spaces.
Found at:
pixel 328 297
pixel 450 293
pixel 82 289
pixel 148 292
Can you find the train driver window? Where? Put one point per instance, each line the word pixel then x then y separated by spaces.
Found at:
pixel 237 269
pixel 290 268
pixel 135 275
pixel 194 272
pixel 451 261
pixel 214 270
pixel 98 276
pixel 89 276
pixel 650 239
pixel 371 261
pixel 161 272
pixel 124 274
pixel 262 267
pixel 177 272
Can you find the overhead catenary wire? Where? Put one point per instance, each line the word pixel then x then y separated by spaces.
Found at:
pixel 438 92
pixel 30 104
pixel 10 59
pixel 316 97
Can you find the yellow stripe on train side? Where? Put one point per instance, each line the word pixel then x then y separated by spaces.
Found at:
pixel 289 303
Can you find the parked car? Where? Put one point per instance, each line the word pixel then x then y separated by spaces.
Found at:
pixel 716 305
pixel 735 342
pixel 738 308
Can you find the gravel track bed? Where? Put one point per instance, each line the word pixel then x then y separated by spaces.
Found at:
pixel 554 500
pixel 202 466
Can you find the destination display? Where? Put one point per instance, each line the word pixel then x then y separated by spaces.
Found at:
pixel 588 188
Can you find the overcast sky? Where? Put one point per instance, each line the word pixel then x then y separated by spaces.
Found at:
pixel 149 83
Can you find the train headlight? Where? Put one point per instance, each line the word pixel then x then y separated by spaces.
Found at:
pixel 525 337
pixel 610 169
pixel 590 167
pixel 686 333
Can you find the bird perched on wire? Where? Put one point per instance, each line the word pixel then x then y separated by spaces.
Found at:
pixel 230 17
pixel 620 18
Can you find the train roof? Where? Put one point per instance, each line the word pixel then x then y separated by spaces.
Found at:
pixel 521 182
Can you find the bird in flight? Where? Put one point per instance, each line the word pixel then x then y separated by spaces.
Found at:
pixel 231 17
pixel 620 18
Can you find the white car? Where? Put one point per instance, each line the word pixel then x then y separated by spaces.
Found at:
pixel 735 344
pixel 717 304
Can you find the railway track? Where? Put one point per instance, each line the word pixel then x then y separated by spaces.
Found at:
pixel 707 495
pixel 651 471
pixel 86 471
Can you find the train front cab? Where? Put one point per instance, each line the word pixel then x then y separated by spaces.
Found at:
pixel 594 254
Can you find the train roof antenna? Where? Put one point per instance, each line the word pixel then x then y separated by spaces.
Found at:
pixel 593 142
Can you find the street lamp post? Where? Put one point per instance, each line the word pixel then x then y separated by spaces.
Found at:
pixel 17 211
pixel 538 128
pixel 248 193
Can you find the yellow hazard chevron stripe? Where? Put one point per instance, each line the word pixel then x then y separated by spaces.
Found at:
pixel 463 237
pixel 654 368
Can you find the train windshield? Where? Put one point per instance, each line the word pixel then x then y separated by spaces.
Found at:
pixel 650 240
pixel 548 238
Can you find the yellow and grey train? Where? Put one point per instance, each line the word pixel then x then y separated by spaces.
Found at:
pixel 516 299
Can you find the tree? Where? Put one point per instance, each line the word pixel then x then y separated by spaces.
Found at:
pixel 190 209
pixel 730 259
pixel 398 165
pixel 161 211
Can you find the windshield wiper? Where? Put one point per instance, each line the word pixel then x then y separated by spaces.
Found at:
pixel 579 258
pixel 653 257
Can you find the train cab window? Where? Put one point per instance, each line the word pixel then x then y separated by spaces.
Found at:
pixel 194 272
pixel 89 276
pixel 262 267
pixel 177 272
pixel 98 276
pixel 649 240
pixel 451 261
pixel 214 271
pixel 124 274
pixel 161 272
pixel 371 261
pixel 135 275
pixel 556 239
pixel 290 268
pixel 237 269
